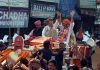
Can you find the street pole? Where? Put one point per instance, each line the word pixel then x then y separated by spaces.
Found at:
pixel 10 43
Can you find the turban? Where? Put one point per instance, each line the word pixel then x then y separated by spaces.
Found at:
pixel 37 23
pixel 66 21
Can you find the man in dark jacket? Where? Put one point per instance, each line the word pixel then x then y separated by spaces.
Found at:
pixel 47 53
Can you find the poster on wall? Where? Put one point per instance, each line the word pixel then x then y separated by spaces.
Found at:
pixel 14 13
pixel 40 10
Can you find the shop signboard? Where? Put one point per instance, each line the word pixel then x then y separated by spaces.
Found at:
pixel 15 3
pixel 14 19
pixel 19 3
pixel 14 13
pixel 88 4
pixel 53 1
pixel 3 2
pixel 39 10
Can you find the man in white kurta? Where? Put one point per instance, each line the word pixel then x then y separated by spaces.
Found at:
pixel 70 38
pixel 49 30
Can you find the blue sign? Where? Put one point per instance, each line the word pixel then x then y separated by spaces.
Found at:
pixel 42 10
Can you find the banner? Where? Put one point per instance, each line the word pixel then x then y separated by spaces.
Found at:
pixel 14 18
pixel 40 10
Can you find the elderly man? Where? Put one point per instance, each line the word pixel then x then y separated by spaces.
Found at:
pixel 49 30
pixel 36 31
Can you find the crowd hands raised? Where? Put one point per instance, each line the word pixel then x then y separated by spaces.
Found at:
pixel 61 30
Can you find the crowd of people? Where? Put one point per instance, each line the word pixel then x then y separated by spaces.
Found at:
pixel 47 59
pixel 61 27
pixel 60 30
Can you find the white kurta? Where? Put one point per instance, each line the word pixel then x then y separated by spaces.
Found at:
pixel 55 29
pixel 70 30
pixel 58 25
pixel 50 32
